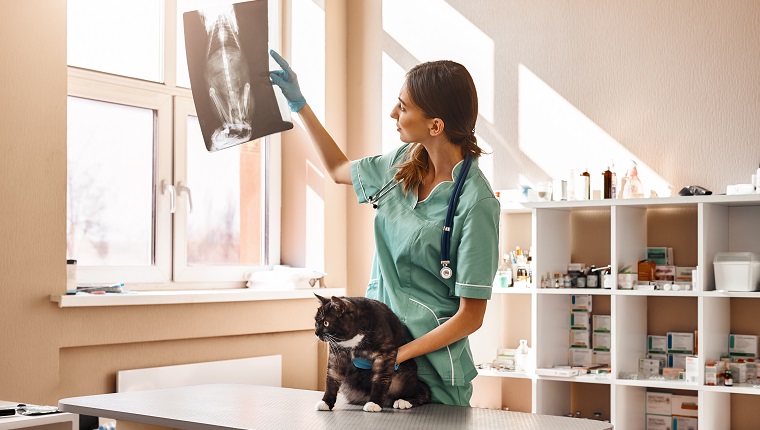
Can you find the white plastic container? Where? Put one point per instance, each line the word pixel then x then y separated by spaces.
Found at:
pixel 737 271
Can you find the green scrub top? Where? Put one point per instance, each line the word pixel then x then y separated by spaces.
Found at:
pixel 406 268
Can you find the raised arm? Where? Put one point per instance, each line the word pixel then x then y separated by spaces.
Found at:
pixel 334 160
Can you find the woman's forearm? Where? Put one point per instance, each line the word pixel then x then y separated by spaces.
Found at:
pixel 334 160
pixel 466 321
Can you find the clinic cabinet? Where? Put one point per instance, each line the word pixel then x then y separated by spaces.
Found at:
pixel 617 233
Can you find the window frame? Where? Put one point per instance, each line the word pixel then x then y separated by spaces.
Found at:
pixel 172 105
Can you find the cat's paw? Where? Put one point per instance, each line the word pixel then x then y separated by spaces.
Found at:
pixel 322 406
pixel 401 404
pixel 372 407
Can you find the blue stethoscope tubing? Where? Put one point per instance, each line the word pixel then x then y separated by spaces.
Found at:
pixel 448 224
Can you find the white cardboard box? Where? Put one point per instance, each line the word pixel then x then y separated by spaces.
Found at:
pixel 684 406
pixel 659 422
pixel 684 423
pixel 659 403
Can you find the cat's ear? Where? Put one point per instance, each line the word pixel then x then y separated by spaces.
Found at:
pixel 341 306
pixel 322 299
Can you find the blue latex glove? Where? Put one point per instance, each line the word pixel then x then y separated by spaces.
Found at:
pixel 287 81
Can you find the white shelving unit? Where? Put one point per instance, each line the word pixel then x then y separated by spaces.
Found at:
pixel 617 233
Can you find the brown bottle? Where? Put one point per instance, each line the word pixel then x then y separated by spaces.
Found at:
pixel 607 174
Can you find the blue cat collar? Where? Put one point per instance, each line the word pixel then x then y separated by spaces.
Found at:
pixel 363 363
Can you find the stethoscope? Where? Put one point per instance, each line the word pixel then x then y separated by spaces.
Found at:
pixel 448 223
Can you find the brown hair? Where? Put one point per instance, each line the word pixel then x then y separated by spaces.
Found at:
pixel 441 89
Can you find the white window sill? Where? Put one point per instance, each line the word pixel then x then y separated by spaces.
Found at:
pixel 141 298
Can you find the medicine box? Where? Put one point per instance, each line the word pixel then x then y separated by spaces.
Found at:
pixel 602 323
pixel 580 320
pixel 662 358
pixel 601 341
pixel 580 339
pixel 684 273
pixel 662 256
pixel 684 423
pixel 583 357
pixel 665 273
pixel 649 367
pixel 657 344
pixel 581 303
pixel 737 271
pixel 659 403
pixel 684 406
pixel 691 372
pixel 677 360
pixel 741 345
pixel 658 422
pixel 738 372
pixel 680 343
pixel 714 373
pixel 602 357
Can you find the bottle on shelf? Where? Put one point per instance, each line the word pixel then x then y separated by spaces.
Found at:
pixel 607 175
pixel 592 278
pixel 633 188
pixel 584 187
pixel 521 357
pixel 615 187
pixel 728 379
pixel 504 273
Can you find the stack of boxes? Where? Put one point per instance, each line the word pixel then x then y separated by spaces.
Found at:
pixel 671 356
pixel 741 361
pixel 590 335
pixel 666 411
pixel 580 354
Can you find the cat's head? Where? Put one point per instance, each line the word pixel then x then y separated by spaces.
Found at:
pixel 336 321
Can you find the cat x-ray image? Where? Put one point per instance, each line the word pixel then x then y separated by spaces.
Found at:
pixel 228 60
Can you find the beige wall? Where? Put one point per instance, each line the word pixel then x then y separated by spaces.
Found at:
pixel 47 353
pixel 674 83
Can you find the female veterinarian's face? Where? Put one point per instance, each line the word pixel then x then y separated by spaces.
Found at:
pixel 411 122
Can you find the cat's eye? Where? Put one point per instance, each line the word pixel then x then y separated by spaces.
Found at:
pixel 326 323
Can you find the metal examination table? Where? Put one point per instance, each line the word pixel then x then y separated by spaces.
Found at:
pixel 232 406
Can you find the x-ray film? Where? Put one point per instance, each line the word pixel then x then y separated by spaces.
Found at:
pixel 228 60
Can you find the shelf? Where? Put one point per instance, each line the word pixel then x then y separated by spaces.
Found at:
pixel 512 290
pixel 736 389
pixel 648 383
pixel 617 233
pixel 501 374
pixel 575 291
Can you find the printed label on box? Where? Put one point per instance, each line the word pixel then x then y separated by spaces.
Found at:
pixel 680 343
pixel 741 345
pixel 581 302
pixel 659 403
pixel 602 323
pixel 657 344
pixel 579 320
pixel 602 341
pixel 580 339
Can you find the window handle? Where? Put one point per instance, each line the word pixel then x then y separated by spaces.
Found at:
pixel 185 189
pixel 169 188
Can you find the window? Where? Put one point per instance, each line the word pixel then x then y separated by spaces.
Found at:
pixel 146 203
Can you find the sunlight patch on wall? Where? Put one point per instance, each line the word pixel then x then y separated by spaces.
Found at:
pixel 557 137
pixel 308 52
pixel 424 29
pixel 392 80
pixel 315 218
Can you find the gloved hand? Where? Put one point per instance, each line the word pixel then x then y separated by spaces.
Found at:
pixel 287 81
